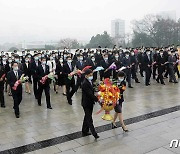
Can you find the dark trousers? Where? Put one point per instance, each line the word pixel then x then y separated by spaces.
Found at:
pixel 128 76
pixel 154 71
pixel 160 74
pixel 46 89
pixel 70 90
pixel 35 87
pixel 141 69
pixel 133 72
pixel 172 76
pixel 78 83
pixel 2 95
pixel 148 75
pixel 17 97
pixel 88 121
pixel 94 76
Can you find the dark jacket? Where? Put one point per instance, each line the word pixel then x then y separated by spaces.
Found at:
pixel 88 97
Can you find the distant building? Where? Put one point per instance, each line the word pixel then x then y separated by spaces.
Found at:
pixel 118 28
pixel 168 15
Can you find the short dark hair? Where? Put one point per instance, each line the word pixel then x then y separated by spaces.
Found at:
pixel 88 71
pixel 121 74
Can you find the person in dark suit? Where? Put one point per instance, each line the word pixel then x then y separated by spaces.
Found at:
pixel 172 63
pixel 60 75
pixel 126 62
pixel 26 68
pixel 140 58
pixel 133 68
pixel 88 100
pixel 42 71
pixel 80 64
pixel 68 67
pixel 148 66
pixel 12 77
pixel 92 62
pixel 161 67
pixel 2 80
pixel 34 66
pixel 118 61
pixel 105 63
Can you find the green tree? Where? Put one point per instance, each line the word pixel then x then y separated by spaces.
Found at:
pixel 103 40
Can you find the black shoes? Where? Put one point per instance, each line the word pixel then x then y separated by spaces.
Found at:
pixel 70 102
pixel 130 86
pixel 3 106
pixel 96 136
pixel 113 126
pixel 17 115
pixel 125 130
pixel 49 107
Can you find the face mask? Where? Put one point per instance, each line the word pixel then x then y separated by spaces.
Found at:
pixel 90 78
pixel 69 61
pixel 4 59
pixel 81 59
pixel 132 54
pixel 10 61
pixel 105 58
pixel 17 60
pixel 15 68
pixel 41 56
pixel 93 59
pixel 56 55
pixel 148 53
pixel 127 56
pixel 65 56
pixel 43 62
pixel 51 58
pixel 61 60
pixel 98 53
pixel 120 79
pixel 161 54
pixel 26 60
pixel 157 51
pixel 116 57
pixel 92 54
pixel 36 58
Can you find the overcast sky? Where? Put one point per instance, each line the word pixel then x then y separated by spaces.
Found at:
pixel 42 20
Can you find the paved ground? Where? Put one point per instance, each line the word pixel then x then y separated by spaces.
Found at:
pixel 151 136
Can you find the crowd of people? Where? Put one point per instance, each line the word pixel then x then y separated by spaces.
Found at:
pixel 156 63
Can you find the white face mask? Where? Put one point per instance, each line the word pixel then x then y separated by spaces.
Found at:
pixel 120 79
pixel 81 59
pixel 43 62
pixel 116 57
pixel 105 58
pixel 93 59
pixel 61 60
pixel 90 78
pixel 69 61
pixel 15 68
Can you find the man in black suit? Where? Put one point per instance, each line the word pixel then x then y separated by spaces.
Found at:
pixel 80 64
pixel 2 79
pixel 161 67
pixel 105 63
pixel 126 62
pixel 88 99
pixel 42 71
pixel 34 66
pixel 14 76
pixel 68 67
pixel 148 66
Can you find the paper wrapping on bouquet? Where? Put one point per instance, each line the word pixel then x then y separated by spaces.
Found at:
pixel 3 76
pixel 49 76
pixel 20 81
pixel 108 97
pixel 112 66
pixel 78 72
pixel 121 69
pixel 99 68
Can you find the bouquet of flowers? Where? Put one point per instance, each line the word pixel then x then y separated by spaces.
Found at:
pixel 49 76
pixel 112 66
pixel 20 81
pixel 108 97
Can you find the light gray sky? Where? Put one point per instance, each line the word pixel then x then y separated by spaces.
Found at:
pixel 43 20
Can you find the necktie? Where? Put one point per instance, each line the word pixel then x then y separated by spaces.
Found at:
pixel 52 64
pixel 16 75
